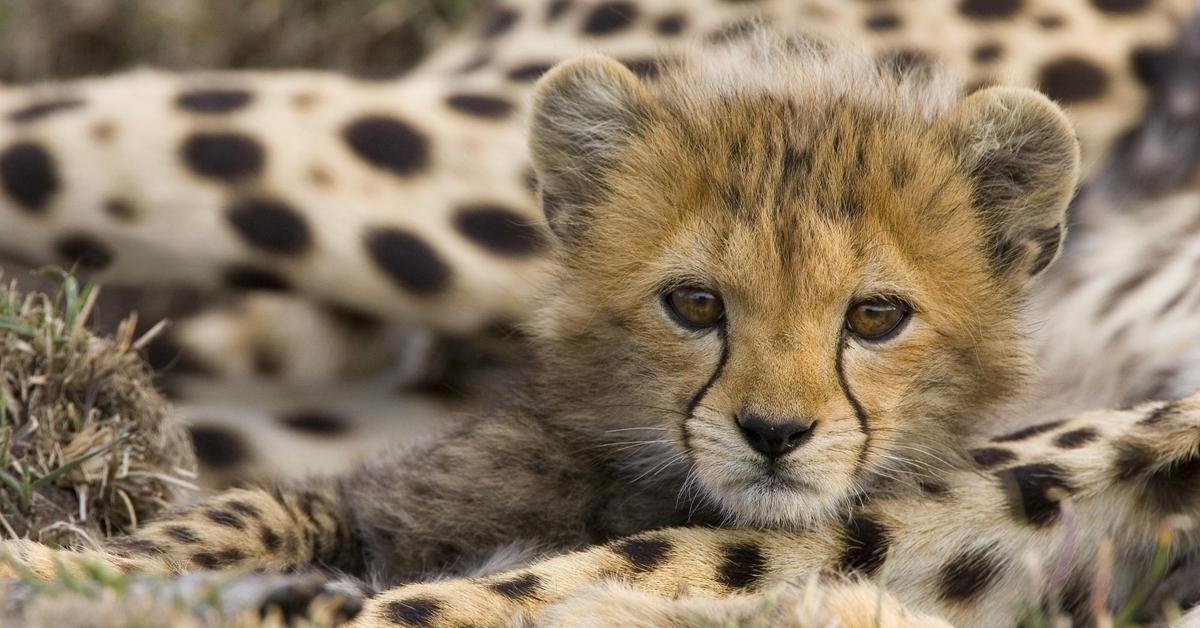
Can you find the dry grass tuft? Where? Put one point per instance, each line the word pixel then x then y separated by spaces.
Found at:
pixel 87 447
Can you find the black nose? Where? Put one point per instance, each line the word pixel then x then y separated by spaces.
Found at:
pixel 774 438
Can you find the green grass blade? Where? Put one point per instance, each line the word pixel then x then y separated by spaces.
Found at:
pixel 67 466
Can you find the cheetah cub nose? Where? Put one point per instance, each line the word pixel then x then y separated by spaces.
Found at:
pixel 774 439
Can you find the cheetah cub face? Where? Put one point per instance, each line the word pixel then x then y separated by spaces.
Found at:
pixel 805 269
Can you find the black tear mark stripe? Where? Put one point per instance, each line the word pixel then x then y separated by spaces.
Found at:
pixel 859 412
pixel 717 372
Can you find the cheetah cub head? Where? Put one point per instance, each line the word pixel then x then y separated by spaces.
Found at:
pixel 800 272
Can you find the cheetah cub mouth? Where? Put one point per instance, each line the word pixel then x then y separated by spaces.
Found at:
pixel 800 271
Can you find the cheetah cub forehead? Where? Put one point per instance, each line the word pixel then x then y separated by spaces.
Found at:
pixel 804 269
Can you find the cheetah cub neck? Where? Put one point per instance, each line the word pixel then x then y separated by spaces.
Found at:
pixel 788 273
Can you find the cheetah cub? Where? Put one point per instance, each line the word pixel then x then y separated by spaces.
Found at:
pixel 789 287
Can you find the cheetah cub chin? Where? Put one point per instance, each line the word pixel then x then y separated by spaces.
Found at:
pixel 786 274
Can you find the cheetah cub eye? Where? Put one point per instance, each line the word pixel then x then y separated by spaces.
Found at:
pixel 878 319
pixel 694 308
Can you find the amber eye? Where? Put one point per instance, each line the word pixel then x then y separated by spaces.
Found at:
pixel 695 308
pixel 876 319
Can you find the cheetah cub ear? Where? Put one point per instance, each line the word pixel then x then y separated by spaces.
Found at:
pixel 1022 156
pixel 585 111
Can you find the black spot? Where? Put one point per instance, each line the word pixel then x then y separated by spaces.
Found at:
pixel 480 105
pixel 388 143
pixel 883 22
pixel 556 9
pixel 1027 432
pixel 1072 80
pixel 1169 486
pixel 217 560
pixel 182 534
pixel 205 560
pixel 29 175
pixel 867 543
pixel 213 101
pixel 41 109
pixel 244 277
pixel 987 52
pixel 218 448
pixel 270 225
pixel 415 611
pixel 1076 438
pixel 989 9
pixel 407 260
pixel 270 539
pixel 670 25
pixel 610 17
pixel 499 230
pixel 1159 414
pixel 244 508
pixel 1152 66
pixel 1121 6
pixel 1029 487
pixel 226 156
pixel 528 72
pixel 742 565
pixel 223 518
pixel 518 587
pixel 316 422
pixel 988 457
pixel 86 252
pixel 500 21
pixel 969 573
pixel 643 554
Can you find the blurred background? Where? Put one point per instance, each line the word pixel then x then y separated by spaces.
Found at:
pixel 63 39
